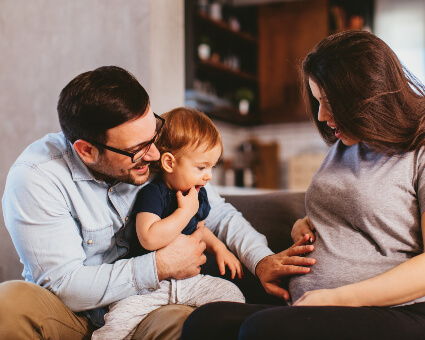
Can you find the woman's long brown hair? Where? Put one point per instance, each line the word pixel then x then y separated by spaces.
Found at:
pixel 370 94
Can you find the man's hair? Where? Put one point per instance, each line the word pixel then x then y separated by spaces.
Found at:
pixel 99 100
pixel 370 94
pixel 185 129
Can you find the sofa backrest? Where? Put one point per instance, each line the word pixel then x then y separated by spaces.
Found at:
pixel 272 214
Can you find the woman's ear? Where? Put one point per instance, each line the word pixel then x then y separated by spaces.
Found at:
pixel 168 162
pixel 87 152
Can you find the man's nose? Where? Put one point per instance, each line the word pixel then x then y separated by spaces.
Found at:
pixel 152 154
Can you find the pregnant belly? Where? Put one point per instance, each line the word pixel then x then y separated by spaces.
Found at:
pixel 339 264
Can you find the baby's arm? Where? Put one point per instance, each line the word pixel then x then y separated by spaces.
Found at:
pixel 155 233
pixel 223 255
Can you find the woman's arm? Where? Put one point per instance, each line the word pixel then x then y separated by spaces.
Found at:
pixel 155 233
pixel 403 283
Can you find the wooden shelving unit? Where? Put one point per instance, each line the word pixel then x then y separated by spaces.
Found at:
pixel 233 63
pixel 269 46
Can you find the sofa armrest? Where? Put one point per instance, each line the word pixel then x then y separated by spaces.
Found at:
pixel 272 214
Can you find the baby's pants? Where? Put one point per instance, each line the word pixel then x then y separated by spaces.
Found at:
pixel 125 315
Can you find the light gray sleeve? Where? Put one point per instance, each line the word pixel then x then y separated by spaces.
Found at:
pixel 235 231
pixel 420 179
pixel 49 244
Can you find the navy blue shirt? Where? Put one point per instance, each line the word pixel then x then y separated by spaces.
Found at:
pixel 157 199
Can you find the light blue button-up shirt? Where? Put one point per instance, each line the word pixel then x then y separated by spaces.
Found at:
pixel 72 231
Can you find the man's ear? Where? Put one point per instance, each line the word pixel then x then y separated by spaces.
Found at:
pixel 168 162
pixel 87 152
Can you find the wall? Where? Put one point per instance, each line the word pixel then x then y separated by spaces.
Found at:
pixel 46 43
pixel 293 139
pixel 401 24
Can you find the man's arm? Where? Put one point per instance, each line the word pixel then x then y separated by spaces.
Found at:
pixel 251 246
pixel 50 244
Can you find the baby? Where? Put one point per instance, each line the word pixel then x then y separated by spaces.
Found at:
pixel 176 202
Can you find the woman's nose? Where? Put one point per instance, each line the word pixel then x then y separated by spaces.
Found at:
pixel 323 114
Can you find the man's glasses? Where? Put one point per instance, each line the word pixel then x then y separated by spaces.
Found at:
pixel 144 149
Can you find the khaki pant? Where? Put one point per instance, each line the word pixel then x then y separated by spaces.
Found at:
pixel 28 311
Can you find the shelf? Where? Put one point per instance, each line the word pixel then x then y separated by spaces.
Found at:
pixel 218 108
pixel 217 66
pixel 226 28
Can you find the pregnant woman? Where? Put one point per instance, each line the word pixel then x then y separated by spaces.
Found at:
pixel 365 208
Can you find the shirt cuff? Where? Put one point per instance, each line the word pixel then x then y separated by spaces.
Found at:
pixel 255 256
pixel 145 275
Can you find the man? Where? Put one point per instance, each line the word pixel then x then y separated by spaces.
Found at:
pixel 66 206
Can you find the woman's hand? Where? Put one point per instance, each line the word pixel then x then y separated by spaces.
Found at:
pixel 321 297
pixel 301 228
pixel 271 269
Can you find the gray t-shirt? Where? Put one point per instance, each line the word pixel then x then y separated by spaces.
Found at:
pixel 366 207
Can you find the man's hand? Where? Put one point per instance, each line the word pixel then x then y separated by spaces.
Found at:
pixel 271 269
pixel 301 228
pixel 182 258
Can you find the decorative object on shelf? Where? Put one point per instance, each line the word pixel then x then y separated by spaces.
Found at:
pixel 234 24
pixel 215 11
pixel 215 57
pixel 202 6
pixel 204 48
pixel 244 96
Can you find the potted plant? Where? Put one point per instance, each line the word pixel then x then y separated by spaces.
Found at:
pixel 244 97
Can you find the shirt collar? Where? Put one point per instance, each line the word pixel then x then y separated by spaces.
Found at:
pixel 79 171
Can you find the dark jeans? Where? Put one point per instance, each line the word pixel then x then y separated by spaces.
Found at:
pixel 229 320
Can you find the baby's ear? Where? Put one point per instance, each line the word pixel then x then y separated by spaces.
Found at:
pixel 168 162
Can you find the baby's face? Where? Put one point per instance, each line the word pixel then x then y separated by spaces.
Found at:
pixel 194 168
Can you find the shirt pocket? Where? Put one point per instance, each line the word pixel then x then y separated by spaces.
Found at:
pixel 97 240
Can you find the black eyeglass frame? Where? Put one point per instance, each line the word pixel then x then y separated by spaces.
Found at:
pixel 146 145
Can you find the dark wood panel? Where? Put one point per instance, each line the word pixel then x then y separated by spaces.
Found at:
pixel 286 33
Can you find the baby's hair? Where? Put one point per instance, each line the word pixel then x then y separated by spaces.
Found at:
pixel 186 128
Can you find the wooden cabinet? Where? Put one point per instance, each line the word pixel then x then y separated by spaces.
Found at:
pixel 286 33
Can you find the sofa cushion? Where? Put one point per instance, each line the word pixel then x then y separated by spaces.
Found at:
pixel 272 214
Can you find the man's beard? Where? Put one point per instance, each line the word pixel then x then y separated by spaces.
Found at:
pixel 104 171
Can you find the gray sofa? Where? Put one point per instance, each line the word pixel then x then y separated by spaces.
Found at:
pixel 272 214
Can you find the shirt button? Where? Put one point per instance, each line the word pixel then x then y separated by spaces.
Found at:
pixel 90 241
pixel 126 219
pixel 111 189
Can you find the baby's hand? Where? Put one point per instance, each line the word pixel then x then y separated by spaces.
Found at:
pixel 189 202
pixel 225 257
